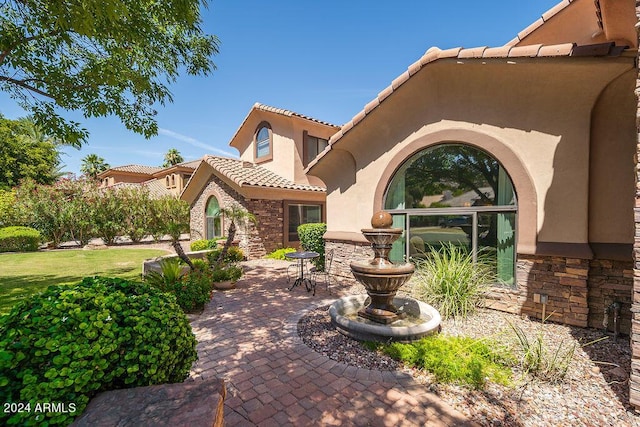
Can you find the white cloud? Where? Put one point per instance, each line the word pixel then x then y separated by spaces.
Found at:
pixel 194 142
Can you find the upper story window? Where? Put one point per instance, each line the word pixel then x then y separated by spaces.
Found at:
pixel 264 137
pixel 312 147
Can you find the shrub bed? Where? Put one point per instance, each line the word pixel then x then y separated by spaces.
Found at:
pixel 70 342
pixel 19 239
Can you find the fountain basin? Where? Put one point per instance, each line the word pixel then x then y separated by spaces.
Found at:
pixel 419 320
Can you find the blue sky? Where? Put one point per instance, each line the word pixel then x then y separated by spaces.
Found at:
pixel 324 59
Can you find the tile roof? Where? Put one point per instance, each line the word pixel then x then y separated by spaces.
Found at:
pixel 147 170
pixel 478 53
pixel 544 18
pixel 246 174
pixel 289 113
pixel 156 187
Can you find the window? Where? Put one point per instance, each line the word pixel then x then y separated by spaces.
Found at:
pixel 302 214
pixel 213 219
pixel 312 147
pixel 263 142
pixel 455 194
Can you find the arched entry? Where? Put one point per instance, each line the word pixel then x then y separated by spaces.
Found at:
pixel 213 218
pixel 455 194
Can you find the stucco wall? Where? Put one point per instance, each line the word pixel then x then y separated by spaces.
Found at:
pixel 542 123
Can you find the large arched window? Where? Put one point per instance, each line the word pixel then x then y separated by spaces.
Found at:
pixel 213 219
pixel 455 194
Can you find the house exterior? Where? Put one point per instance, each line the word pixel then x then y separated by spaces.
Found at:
pixel 525 151
pixel 160 181
pixel 268 180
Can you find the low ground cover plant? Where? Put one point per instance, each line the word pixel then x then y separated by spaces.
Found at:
pixel 455 359
pixel 204 244
pixel 71 342
pixel 279 253
pixel 19 239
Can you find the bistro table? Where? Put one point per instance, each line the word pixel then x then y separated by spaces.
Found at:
pixel 302 257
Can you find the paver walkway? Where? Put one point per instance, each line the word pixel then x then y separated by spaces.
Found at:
pixel 247 336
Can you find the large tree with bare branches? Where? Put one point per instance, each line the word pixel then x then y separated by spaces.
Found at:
pixel 99 57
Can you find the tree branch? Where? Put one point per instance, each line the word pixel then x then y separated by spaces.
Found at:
pixel 22 84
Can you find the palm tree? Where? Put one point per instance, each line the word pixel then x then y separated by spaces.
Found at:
pixel 93 165
pixel 235 214
pixel 172 158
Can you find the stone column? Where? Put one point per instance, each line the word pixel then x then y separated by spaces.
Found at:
pixel 634 381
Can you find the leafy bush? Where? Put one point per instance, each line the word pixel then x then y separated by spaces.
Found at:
pixel 192 290
pixel 279 253
pixel 455 359
pixel 201 245
pixel 230 272
pixel 234 254
pixel 71 342
pixel 311 240
pixel 451 281
pixel 19 239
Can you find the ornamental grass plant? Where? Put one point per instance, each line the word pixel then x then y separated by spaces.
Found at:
pixel 450 280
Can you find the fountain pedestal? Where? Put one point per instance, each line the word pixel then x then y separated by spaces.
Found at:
pixel 380 277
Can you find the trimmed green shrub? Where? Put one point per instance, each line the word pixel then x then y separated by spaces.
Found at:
pixel 230 272
pixel 234 254
pixel 201 245
pixel 311 240
pixel 19 239
pixel 71 342
pixel 279 253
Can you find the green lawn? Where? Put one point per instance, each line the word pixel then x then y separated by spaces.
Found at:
pixel 23 274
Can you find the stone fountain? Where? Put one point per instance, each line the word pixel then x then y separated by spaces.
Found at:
pixel 381 315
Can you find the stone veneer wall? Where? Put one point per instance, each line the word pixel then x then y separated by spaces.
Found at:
pixel 634 381
pixel 255 240
pixel 578 290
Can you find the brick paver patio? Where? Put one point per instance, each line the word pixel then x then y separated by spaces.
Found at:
pixel 247 336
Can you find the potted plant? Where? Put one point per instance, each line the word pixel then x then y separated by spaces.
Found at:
pixel 226 277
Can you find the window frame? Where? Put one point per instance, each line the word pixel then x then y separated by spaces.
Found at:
pixel 306 139
pixel 286 205
pixel 269 155
pixel 206 218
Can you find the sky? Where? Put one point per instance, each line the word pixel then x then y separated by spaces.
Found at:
pixel 324 59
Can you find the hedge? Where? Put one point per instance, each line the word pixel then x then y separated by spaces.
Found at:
pixel 311 240
pixel 19 239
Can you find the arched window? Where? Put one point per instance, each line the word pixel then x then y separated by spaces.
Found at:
pixel 455 194
pixel 213 219
pixel 263 142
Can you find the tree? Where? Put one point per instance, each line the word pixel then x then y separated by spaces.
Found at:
pixel 100 57
pixel 170 216
pixel 172 158
pixel 234 213
pixel 92 165
pixel 26 152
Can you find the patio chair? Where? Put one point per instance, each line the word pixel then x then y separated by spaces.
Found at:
pixel 328 260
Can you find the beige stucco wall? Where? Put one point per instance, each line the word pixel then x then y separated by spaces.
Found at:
pixel 534 114
pixel 287 138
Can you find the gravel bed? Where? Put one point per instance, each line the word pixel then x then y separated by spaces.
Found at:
pixel 594 392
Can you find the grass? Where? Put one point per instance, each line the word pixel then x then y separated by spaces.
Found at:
pixel 24 274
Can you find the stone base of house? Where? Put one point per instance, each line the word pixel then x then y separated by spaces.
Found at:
pixel 578 291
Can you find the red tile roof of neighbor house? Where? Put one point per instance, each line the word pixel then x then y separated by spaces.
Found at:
pixel 477 53
pixel 156 187
pixel 141 169
pixel 249 174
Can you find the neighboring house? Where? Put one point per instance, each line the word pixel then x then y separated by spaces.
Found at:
pixel 269 181
pixel 542 130
pixel 159 180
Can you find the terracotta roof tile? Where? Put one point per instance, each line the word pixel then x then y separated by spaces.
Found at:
pixel 555 9
pixel 544 18
pixel 248 174
pixel 147 170
pixel 558 50
pixel 524 51
pixel 530 29
pixel 288 113
pixel 496 52
pixel 475 52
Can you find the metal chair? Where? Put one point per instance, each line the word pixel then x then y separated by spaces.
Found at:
pixel 328 260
